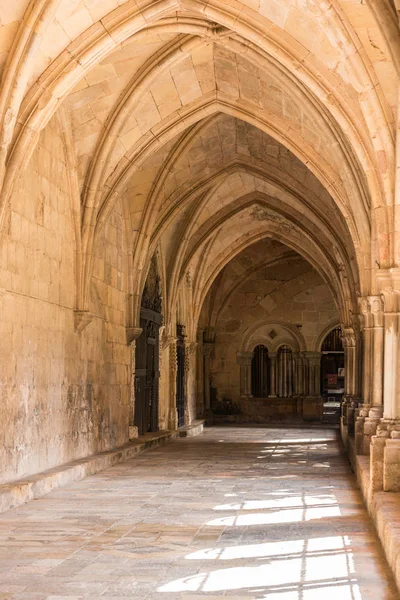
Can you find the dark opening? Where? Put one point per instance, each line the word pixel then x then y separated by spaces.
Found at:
pixel 259 373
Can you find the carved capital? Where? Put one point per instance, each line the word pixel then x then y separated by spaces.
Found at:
pixel 389 285
pixel 375 304
pixel 82 318
pixel 132 334
pixel 244 358
pixel 366 318
pixel 207 349
pixel 348 337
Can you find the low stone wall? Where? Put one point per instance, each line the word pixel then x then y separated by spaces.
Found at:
pixel 383 507
pixel 266 410
pixel 23 490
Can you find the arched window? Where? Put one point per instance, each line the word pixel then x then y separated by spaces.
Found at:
pixel 259 372
pixel 333 341
pixel 285 372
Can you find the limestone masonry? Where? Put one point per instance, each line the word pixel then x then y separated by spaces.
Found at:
pixel 199 224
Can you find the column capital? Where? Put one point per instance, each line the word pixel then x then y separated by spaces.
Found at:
pixel 366 318
pixel 376 308
pixel 348 337
pixel 389 287
pixel 208 348
pixel 312 357
pixel 244 358
pixel 168 340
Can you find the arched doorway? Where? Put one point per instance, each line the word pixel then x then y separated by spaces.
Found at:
pixel 285 372
pixel 147 355
pixel 332 375
pixel 259 372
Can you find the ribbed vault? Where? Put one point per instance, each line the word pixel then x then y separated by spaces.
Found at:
pixel 215 125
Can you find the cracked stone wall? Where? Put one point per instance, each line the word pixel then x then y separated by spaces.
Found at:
pixel 63 395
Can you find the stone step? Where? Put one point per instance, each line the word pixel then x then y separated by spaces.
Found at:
pixel 23 490
pixel 196 428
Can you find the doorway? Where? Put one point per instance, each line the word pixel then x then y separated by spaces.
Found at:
pixel 147 356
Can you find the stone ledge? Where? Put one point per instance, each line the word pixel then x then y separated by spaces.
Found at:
pixel 384 508
pixel 23 490
pixel 196 428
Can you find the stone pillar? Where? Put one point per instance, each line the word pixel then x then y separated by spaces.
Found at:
pixel 314 373
pixel 132 334
pixel 367 328
pixel 173 369
pixel 208 348
pixel 391 463
pixel 372 408
pixel 378 443
pixel 303 375
pixel 376 306
pixel 190 370
pixel 200 375
pixel 351 376
pixel 390 385
pixel 295 370
pixel 244 360
pixel 389 282
pixel 272 358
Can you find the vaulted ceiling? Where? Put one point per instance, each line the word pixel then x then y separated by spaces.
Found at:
pixel 216 124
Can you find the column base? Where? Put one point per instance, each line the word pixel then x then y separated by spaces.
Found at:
pixel 378 443
pixel 391 463
pixel 359 435
pixel 133 432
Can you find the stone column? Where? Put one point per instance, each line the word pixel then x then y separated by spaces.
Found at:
pixel 367 328
pixel 244 360
pixel 132 334
pixel 378 443
pixel 208 348
pixel 351 387
pixel 200 375
pixel 376 305
pixel 389 282
pixel 314 373
pixel 349 344
pixel 298 376
pixel 391 462
pixel 373 403
pixel 351 382
pixel 190 358
pixel 272 375
pixel 170 343
pixel 390 384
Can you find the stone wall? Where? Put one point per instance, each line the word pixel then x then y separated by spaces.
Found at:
pixel 64 395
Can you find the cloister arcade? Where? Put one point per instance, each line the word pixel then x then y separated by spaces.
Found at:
pixel 194 194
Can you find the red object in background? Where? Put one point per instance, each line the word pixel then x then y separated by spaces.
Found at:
pixel 332 379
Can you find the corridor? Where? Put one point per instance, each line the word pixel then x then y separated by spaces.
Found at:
pixel 238 512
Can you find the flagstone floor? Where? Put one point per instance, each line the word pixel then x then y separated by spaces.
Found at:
pixel 240 513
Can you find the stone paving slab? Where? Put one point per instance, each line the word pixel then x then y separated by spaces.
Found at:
pixel 239 513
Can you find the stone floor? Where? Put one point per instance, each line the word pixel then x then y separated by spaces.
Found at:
pixel 238 512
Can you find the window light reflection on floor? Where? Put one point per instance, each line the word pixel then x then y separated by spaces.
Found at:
pixel 310 570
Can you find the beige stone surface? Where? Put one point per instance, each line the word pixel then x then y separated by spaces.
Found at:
pixel 251 147
pixel 238 513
